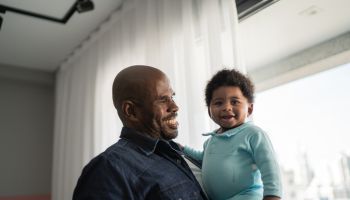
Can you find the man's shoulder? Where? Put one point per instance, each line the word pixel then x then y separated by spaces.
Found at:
pixel 120 151
pixel 125 154
pixel 113 153
pixel 116 150
pixel 119 158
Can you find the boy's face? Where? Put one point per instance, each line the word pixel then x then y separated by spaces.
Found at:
pixel 229 108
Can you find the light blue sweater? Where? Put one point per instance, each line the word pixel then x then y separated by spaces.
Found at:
pixel 239 164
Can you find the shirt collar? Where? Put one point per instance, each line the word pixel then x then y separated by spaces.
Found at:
pixel 230 132
pixel 145 143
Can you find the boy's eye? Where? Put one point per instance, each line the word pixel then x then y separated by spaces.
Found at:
pixel 217 103
pixel 234 102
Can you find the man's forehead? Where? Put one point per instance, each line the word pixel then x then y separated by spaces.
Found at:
pixel 163 85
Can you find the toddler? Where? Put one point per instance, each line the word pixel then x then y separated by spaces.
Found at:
pixel 238 160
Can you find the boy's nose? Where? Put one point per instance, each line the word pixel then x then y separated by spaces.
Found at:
pixel 227 107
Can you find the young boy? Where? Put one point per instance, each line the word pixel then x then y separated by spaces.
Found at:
pixel 238 161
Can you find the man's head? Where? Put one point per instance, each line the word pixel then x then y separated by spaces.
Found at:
pixel 143 98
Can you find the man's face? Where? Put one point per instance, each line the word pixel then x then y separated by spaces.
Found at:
pixel 158 110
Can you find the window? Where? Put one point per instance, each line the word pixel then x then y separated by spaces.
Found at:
pixel 246 8
pixel 309 124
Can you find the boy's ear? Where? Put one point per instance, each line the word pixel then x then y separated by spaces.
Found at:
pixel 250 109
pixel 129 110
pixel 209 112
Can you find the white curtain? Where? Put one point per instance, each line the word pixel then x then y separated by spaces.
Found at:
pixel 187 39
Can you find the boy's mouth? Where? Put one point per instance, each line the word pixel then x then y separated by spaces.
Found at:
pixel 226 117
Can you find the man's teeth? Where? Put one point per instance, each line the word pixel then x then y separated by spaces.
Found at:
pixel 172 121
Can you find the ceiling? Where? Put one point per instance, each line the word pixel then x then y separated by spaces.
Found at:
pixel 41 44
pixel 290 26
pixel 272 34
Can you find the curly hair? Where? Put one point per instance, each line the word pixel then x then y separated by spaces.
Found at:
pixel 230 77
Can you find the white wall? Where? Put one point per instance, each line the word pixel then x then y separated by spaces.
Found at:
pixel 329 54
pixel 26 131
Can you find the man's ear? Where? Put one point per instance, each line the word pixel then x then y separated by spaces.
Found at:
pixel 250 109
pixel 129 110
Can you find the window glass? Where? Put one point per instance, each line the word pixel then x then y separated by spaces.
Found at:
pixel 309 124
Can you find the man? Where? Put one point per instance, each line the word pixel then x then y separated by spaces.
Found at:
pixel 145 163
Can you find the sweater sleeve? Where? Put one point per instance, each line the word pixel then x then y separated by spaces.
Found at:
pixel 265 159
pixel 195 154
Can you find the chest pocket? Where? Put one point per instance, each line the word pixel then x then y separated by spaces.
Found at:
pixel 184 190
pixel 221 146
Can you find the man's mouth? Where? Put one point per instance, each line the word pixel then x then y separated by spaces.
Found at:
pixel 172 123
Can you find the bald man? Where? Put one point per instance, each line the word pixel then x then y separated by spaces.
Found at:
pixel 145 163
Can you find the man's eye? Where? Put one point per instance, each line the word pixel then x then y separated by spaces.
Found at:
pixel 165 99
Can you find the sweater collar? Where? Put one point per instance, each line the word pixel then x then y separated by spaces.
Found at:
pixel 230 132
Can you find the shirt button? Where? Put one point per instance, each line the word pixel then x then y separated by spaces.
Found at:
pixel 180 199
pixel 178 161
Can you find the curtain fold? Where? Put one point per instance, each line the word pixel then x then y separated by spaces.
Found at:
pixel 188 39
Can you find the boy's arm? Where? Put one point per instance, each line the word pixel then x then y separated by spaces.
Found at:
pixel 195 154
pixel 266 162
pixel 192 153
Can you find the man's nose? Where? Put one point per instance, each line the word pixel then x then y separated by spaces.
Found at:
pixel 173 107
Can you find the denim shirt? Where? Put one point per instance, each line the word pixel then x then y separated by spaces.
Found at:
pixel 138 167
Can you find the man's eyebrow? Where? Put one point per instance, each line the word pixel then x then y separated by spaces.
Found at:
pixel 163 97
pixel 166 96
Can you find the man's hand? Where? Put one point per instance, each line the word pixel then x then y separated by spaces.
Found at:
pixel 271 198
